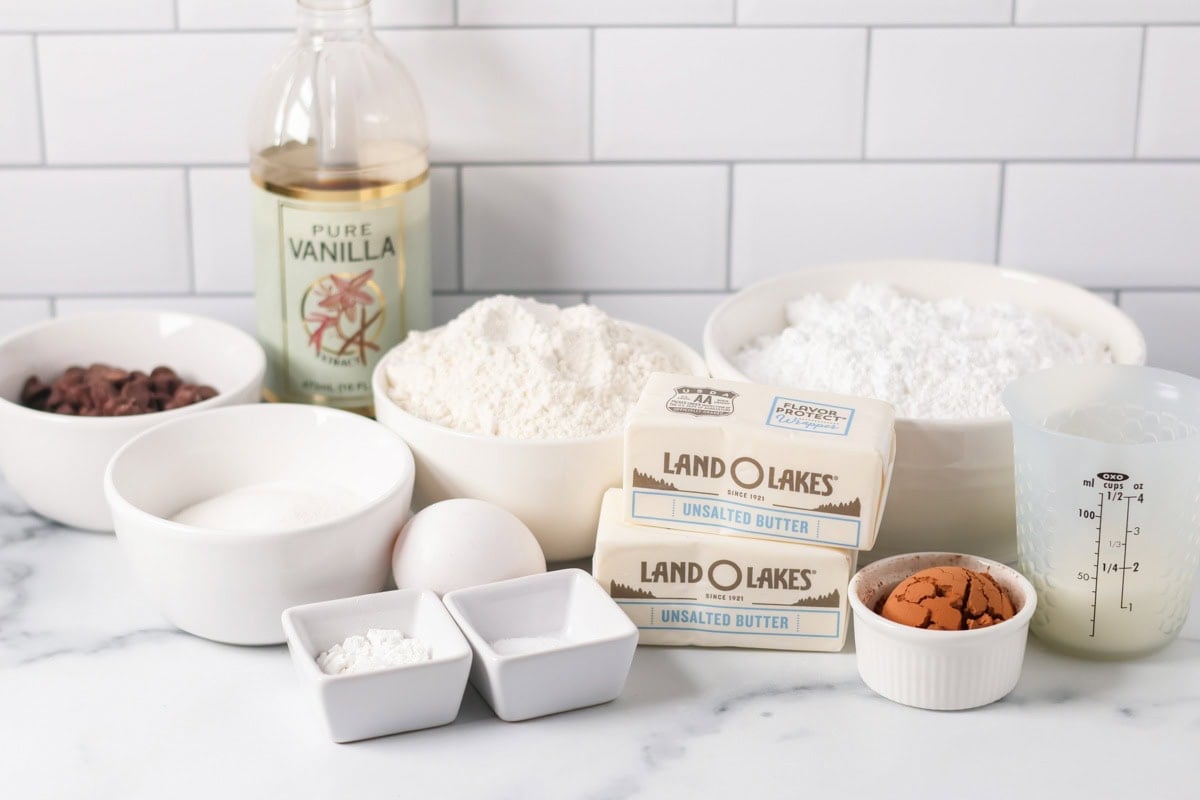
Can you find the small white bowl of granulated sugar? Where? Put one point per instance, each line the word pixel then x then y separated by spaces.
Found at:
pixel 381 663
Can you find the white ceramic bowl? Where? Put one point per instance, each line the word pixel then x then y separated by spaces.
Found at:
pixel 56 462
pixel 392 700
pixel 593 641
pixel 938 670
pixel 554 486
pixel 232 586
pixel 952 488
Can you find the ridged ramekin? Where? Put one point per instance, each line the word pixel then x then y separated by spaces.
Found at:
pixel 938 670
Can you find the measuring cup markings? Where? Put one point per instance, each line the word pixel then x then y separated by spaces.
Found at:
pixel 1107 467
pixel 1112 484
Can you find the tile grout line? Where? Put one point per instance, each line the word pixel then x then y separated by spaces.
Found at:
pixel 460 227
pixel 729 229
pixel 799 26
pixel 591 293
pixel 455 9
pixel 1065 160
pixel 1012 15
pixel 188 236
pixel 37 99
pixel 1000 214
pixel 591 94
pixel 866 94
pixel 175 14
pixel 1141 88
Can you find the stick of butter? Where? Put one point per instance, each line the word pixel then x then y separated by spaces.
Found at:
pixel 713 591
pixel 750 460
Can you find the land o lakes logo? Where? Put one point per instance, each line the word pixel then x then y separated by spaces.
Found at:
pixel 701 401
pixel 343 315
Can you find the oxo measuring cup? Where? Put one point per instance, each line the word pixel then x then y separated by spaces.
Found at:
pixel 1107 462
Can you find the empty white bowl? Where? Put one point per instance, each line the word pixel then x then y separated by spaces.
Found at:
pixel 952 488
pixel 56 462
pixel 544 643
pixel 938 670
pixel 391 700
pixel 554 486
pixel 232 586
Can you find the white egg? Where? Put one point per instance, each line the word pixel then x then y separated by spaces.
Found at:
pixel 459 543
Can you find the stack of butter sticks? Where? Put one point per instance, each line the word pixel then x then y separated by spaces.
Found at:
pixel 743 510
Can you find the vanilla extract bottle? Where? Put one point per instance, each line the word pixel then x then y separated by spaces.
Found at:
pixel 339 162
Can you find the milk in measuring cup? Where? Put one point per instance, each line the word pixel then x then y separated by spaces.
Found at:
pixel 1107 463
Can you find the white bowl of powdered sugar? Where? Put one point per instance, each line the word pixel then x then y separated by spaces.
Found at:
pixel 940 340
pixel 523 404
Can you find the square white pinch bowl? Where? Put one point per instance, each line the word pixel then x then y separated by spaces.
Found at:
pixel 56 462
pixel 589 667
pixel 938 670
pixel 396 699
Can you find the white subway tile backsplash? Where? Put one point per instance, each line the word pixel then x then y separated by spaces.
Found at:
pixel 255 14
pixel 680 315
pixel 599 227
pixel 787 216
pixel 1003 93
pixel 1108 225
pixel 20 142
pixel 105 231
pixel 16 314
pixel 728 93
pixel 147 99
pixel 1168 319
pixel 222 252
pixel 1094 11
pixel 448 306
pixel 873 12
pixel 594 12
pixel 555 124
pixel 1170 123
pixel 501 95
pixel 86 15
pixel 236 310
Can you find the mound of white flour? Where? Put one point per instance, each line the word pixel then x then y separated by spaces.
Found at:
pixel 526 370
pixel 931 359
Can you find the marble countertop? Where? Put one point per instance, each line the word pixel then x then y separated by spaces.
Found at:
pixel 101 698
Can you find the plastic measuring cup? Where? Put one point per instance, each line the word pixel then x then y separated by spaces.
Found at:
pixel 1107 463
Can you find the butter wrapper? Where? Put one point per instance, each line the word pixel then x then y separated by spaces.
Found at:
pixel 744 459
pixel 683 588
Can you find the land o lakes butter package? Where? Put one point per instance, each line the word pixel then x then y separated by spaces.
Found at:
pixel 722 591
pixel 746 459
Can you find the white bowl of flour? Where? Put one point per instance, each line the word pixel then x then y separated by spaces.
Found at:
pixel 940 340
pixel 523 405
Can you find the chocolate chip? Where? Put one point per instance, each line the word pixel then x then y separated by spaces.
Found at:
pixel 105 390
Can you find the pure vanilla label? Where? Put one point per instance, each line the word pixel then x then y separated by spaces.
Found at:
pixel 751 460
pixel 331 286
pixel 694 589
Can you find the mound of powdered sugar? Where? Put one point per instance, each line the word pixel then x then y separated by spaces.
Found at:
pixel 526 370
pixel 940 359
